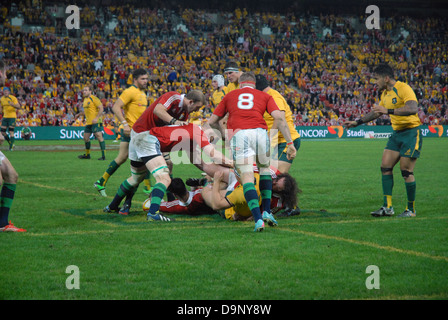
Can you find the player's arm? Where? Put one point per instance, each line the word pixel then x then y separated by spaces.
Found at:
pixel 372 115
pixel 99 114
pixel 14 103
pixel 217 156
pixel 212 126
pixel 409 108
pixel 117 110
pixel 218 200
pixel 162 114
pixel 282 125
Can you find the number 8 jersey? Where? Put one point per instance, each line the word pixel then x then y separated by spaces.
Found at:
pixel 246 107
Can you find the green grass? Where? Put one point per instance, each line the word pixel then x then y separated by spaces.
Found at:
pixel 321 254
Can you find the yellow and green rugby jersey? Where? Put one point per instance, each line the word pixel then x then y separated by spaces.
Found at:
pixel 135 103
pixel 283 106
pixel 91 108
pixel 232 86
pixel 237 199
pixel 8 110
pixel 217 96
pixel 397 98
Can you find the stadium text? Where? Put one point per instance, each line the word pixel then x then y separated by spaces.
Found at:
pixel 72 21
pixel 373 281
pixel 373 21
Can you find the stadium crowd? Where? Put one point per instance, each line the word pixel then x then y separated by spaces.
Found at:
pixel 321 63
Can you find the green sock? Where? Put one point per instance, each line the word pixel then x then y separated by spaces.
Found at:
pixel 410 191
pixel 87 147
pixel 103 148
pixel 388 184
pixel 113 166
pixel 157 194
pixel 251 196
pixel 6 199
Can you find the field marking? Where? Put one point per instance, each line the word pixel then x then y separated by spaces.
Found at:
pixel 54 188
pixel 308 233
pixel 369 244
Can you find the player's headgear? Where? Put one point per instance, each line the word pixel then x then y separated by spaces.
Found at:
pixel 219 79
pixel 261 82
pixel 231 66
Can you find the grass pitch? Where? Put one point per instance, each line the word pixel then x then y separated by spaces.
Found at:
pixel 322 254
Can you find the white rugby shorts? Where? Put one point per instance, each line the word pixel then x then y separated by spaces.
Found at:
pixel 250 144
pixel 142 145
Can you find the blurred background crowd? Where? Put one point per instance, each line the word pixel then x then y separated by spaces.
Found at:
pixel 320 60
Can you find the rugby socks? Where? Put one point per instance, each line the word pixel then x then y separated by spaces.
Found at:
pixel 266 192
pixel 7 138
pixel 12 138
pixel 410 191
pixel 130 196
pixel 124 189
pixel 157 194
pixel 388 184
pixel 103 148
pixel 251 196
pixel 87 144
pixel 113 166
pixel 6 198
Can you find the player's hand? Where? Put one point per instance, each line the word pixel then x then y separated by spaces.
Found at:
pixel 218 176
pixel 291 152
pixel 379 109
pixel 227 163
pixel 180 123
pixel 350 124
pixel 127 131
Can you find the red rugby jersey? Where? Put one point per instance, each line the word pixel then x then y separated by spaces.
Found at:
pixel 172 101
pixel 246 107
pixel 184 137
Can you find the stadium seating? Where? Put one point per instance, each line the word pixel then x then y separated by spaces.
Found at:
pixel 321 63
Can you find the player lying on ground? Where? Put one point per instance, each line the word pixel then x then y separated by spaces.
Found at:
pixel 148 146
pixel 230 203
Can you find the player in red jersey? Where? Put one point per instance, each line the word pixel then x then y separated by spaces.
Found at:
pixel 250 142
pixel 198 202
pixel 145 152
pixel 170 108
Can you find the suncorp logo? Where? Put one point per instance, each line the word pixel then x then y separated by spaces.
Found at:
pixel 339 130
pixel 437 129
pixel 322 132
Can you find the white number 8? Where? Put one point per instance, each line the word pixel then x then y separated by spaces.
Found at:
pixel 245 101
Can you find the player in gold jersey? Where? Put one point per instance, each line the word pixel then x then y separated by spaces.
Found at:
pixel 399 101
pixel 220 90
pixel 278 141
pixel 93 111
pixel 127 109
pixel 9 106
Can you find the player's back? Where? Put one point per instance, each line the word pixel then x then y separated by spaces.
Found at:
pixel 246 107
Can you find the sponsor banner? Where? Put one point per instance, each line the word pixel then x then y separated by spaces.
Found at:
pixel 61 133
pixel 363 131
pixel 306 132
